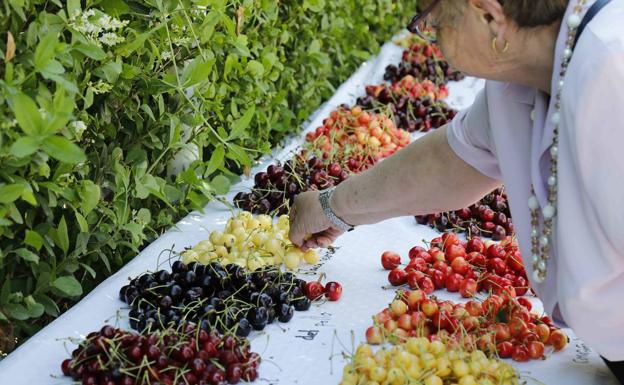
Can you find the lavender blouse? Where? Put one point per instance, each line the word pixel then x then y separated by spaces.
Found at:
pixel 506 135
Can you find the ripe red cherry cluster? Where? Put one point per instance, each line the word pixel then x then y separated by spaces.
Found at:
pixel 490 217
pixel 275 190
pixel 315 290
pixel 174 356
pixel 359 137
pixel 500 325
pixel 410 87
pixel 410 114
pixel 464 267
pixel 423 61
pixel 227 298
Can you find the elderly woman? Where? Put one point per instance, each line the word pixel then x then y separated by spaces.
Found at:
pixel 546 125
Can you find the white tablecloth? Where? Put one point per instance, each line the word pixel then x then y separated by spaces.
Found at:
pixel 308 350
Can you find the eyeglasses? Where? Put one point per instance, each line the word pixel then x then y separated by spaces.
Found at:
pixel 418 23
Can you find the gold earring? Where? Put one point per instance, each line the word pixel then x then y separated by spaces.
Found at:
pixel 495 48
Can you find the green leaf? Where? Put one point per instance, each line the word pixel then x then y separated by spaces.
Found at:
pixel 45 50
pixel 110 71
pixel 33 239
pixel 216 160
pixel 73 7
pixel 51 308
pixel 197 71
pixel 27 255
pixel 82 223
pixel 24 146
pixel 35 310
pixel 27 114
pixel 68 285
pixel 89 270
pixel 89 196
pixel 220 184
pixel 255 68
pixel 3 317
pixel 10 192
pixel 17 311
pixel 62 237
pixel 62 149
pixel 241 124
pixel 115 7
pixel 91 50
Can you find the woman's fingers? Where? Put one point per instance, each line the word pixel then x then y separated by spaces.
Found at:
pixel 309 218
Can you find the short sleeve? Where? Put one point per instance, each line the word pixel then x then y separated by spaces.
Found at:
pixel 469 135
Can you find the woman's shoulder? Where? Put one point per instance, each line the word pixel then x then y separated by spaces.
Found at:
pixel 603 39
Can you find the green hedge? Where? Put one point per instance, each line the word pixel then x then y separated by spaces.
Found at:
pixel 118 117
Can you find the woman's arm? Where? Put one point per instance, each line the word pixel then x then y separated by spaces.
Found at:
pixel 426 177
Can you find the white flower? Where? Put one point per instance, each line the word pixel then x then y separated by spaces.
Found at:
pixel 165 55
pixel 79 128
pixel 111 38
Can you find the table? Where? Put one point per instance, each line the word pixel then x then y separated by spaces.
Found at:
pixel 310 349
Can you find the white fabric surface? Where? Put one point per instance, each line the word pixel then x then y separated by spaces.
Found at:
pixel 338 327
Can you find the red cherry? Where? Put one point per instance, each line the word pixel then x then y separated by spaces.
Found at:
pixel 504 349
pixel 397 277
pixel 536 350
pixel 313 290
pixel 417 264
pixel 460 266
pixel 66 367
pixel 414 251
pixel 425 284
pixel 453 281
pixel 413 276
pixel 475 245
pixel 429 307
pixel 333 291
pixel 374 335
pixel 454 251
pixel 487 215
pixel 525 303
pixel 520 353
pixel 497 266
pixel 521 285
pixel 390 260
pixel 438 278
pixel 234 373
pixel 474 308
pixel 558 339
pixel 495 251
pixel 468 288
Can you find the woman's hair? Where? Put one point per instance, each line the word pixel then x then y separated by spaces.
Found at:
pixel 532 13
pixel 526 13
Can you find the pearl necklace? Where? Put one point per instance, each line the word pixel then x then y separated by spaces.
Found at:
pixel 541 245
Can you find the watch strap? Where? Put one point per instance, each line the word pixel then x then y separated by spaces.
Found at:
pixel 324 198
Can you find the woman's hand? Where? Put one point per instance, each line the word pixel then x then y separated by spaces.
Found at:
pixel 307 218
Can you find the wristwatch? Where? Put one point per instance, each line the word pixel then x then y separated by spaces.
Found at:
pixel 324 197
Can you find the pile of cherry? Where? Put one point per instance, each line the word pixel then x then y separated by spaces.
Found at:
pixel 423 61
pixel 228 298
pixel 350 141
pixel 490 217
pixel 186 355
pixel 275 189
pixel 501 326
pixel 464 267
pixel 410 113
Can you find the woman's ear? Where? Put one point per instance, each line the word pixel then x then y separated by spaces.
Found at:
pixel 491 13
